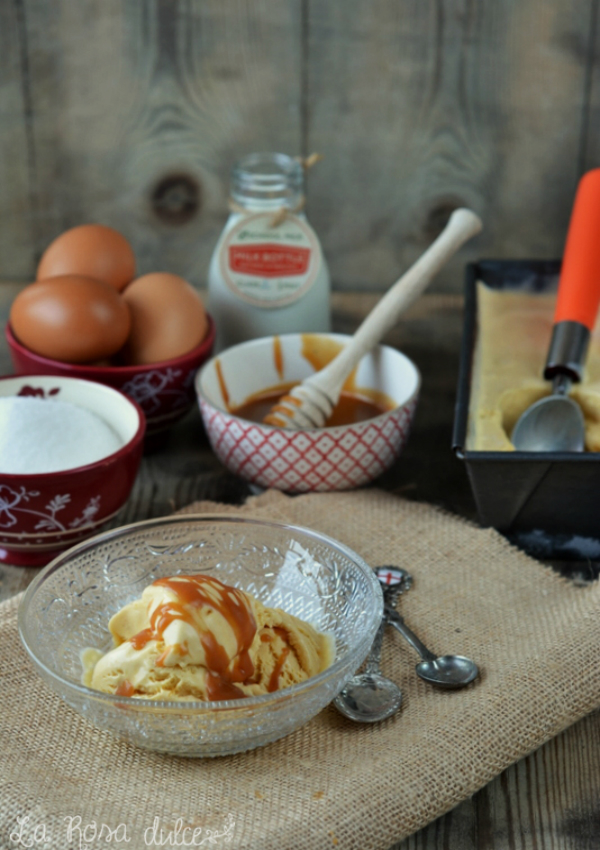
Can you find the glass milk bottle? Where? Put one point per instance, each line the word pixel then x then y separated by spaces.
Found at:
pixel 267 274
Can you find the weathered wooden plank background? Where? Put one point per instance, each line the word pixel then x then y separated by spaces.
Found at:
pixel 131 112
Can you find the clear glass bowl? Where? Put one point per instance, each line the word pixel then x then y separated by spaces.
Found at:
pixel 68 606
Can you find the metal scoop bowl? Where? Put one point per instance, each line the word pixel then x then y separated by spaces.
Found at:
pixel 554 423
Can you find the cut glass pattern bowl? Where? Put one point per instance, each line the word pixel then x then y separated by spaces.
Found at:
pixel 67 608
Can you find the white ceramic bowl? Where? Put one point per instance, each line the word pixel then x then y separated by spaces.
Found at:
pixel 311 459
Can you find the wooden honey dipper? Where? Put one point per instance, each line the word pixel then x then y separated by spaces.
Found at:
pixel 310 403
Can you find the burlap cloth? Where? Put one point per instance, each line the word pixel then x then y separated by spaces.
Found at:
pixel 332 783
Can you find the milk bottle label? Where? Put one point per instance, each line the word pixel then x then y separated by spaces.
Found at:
pixel 270 266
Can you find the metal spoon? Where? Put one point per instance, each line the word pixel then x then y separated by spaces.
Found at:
pixel 445 671
pixel 369 696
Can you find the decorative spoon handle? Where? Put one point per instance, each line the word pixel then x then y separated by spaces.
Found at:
pixel 397 621
pixel 394 582
pixel 373 662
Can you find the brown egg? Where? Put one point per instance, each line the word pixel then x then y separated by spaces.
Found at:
pixel 70 318
pixel 167 318
pixel 91 250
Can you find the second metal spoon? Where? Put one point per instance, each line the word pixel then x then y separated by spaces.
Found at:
pixel 445 671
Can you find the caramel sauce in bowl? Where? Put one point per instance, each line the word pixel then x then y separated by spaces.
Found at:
pixel 362 439
pixel 349 410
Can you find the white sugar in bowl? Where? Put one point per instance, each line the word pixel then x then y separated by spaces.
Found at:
pixel 45 509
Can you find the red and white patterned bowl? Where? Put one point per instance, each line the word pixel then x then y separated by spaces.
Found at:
pixel 311 459
pixel 42 515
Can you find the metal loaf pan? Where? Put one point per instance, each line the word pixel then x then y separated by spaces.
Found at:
pixel 552 496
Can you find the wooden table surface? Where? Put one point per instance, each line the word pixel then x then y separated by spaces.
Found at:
pixel 547 801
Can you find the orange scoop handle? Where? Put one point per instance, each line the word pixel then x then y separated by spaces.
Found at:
pixel 579 287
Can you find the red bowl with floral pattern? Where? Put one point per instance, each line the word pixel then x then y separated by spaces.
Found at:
pixel 164 391
pixel 43 514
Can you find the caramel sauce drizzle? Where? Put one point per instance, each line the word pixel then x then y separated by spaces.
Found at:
pixel 195 592
pixel 125 689
pixel 274 679
pixel 180 649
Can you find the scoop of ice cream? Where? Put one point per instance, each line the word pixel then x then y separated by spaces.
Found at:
pixel 193 637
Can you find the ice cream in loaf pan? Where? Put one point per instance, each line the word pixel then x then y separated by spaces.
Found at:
pixel 514 330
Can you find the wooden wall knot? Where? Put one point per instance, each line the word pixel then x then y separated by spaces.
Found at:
pixel 176 199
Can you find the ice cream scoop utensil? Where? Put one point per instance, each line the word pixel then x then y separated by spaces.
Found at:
pixel 445 671
pixel 556 423
pixel 369 697
pixel 310 404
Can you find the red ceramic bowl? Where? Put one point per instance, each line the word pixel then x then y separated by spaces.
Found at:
pixel 42 515
pixel 164 391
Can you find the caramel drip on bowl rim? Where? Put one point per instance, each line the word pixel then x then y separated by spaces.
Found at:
pixel 278 356
pixel 222 384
